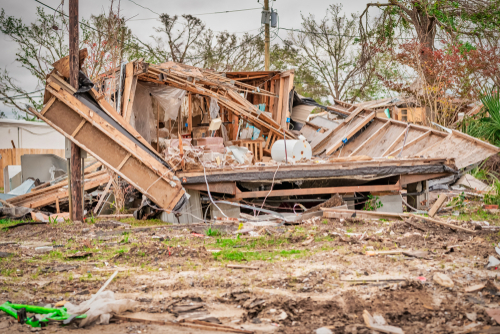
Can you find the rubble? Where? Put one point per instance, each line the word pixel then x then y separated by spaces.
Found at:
pixel 242 224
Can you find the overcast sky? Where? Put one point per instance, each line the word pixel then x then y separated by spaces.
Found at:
pixel 245 21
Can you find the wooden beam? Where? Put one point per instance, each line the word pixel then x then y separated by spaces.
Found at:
pixel 48 105
pixel 350 133
pixel 437 205
pixel 218 187
pixel 78 128
pixel 411 143
pixel 435 221
pixel 124 161
pixel 127 88
pixel 164 191
pixel 369 139
pixel 407 179
pixel 396 141
pixel 190 113
pixel 64 194
pixel 317 191
pixel 280 101
pixel 157 126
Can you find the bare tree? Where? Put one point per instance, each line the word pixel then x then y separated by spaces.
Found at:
pixel 108 41
pixel 227 52
pixel 333 56
pixel 179 41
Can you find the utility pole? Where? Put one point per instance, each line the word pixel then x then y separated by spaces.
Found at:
pixel 76 157
pixel 267 62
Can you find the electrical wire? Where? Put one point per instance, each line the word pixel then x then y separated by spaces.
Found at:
pixel 272 185
pixel 209 194
pixel 223 12
pixel 338 35
pixel 152 11
pixel 55 10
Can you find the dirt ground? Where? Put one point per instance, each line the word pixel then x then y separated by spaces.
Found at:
pixel 302 277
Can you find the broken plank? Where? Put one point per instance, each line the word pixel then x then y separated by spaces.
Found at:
pixel 127 89
pixel 435 221
pixel 388 123
pixel 396 141
pixel 349 132
pixel 238 266
pixel 411 143
pixel 206 327
pixel 104 193
pixel 437 205
pixel 144 170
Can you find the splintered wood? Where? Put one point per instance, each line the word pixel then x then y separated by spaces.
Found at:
pixel 99 130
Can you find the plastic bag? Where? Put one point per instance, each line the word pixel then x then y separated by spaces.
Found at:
pixel 102 308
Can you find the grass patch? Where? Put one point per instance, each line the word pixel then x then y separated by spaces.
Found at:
pixel 239 256
pixel 4 223
pixel 478 214
pixel 141 223
pixel 213 232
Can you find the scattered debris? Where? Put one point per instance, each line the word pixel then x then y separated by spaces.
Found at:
pixel 443 280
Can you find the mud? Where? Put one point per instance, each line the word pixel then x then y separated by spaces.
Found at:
pixel 298 287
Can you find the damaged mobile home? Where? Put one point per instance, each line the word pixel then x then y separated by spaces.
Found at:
pixel 179 133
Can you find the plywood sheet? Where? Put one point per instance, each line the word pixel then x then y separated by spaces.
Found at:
pixel 463 150
pixel 413 150
pixel 345 130
pixel 361 138
pixel 379 144
pixel 113 148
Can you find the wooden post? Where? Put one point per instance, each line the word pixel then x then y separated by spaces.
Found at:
pixel 267 60
pixel 76 157
pixel 235 119
pixel 179 121
pixel 190 114
pixel 157 126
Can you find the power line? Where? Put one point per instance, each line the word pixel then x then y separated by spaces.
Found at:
pixel 228 11
pixel 152 11
pixel 338 35
pixel 223 12
pixel 55 10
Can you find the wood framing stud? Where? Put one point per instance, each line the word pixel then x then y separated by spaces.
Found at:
pixel 124 161
pixel 78 128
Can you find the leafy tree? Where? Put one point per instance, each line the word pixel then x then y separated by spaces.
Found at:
pixel 40 44
pixel 428 18
pixel 45 41
pixel 487 128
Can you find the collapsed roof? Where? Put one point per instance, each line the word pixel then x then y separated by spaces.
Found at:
pixel 357 146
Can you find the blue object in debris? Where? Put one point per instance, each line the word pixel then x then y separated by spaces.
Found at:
pixel 344 140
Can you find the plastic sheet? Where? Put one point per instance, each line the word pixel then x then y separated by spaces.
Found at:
pixel 214 108
pixel 101 309
pixel 142 112
pixel 170 98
